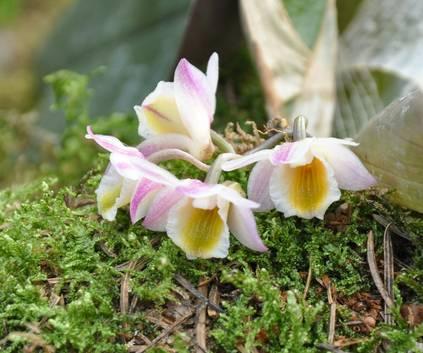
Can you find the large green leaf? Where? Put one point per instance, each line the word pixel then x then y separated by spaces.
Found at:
pixel 381 51
pixel 391 146
pixel 136 40
pixel 296 79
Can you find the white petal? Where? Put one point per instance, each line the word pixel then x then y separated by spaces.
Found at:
pixel 293 153
pixel 198 232
pixel 243 226
pixel 112 144
pixel 160 142
pixel 164 201
pixel 350 173
pixel 258 185
pixel 142 198
pixel 158 114
pixel 305 191
pixel 213 71
pixel 134 168
pixel 243 161
pixel 195 101
pixel 113 192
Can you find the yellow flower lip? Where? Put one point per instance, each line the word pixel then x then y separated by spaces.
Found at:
pixel 201 232
pixel 309 186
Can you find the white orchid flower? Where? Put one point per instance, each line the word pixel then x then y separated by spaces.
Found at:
pixel 197 216
pixel 303 178
pixel 114 190
pixel 178 114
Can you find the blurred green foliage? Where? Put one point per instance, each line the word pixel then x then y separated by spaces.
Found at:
pixel 9 10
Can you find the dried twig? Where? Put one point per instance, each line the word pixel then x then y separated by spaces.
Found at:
pixel 392 227
pixel 167 331
pixel 200 323
pixel 124 288
pixel 332 318
pixel 308 282
pixel 214 297
pixel 194 291
pixel 371 259
pixel 330 348
pixel 388 271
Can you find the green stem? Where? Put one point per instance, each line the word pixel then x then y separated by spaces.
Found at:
pixel 215 170
pixel 220 142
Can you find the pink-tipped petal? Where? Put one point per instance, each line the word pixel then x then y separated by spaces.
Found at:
pixel 113 192
pixel 242 225
pixel 233 196
pixel 196 189
pixel 258 185
pixel 134 168
pixel 142 198
pixel 243 161
pixel 350 173
pixel 213 71
pixel 156 218
pixel 112 144
pixel 293 153
pixel 195 101
pixel 161 142
pixel 158 114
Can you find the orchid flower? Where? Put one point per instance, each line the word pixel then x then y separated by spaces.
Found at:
pixel 303 178
pixel 115 190
pixel 178 114
pixel 197 216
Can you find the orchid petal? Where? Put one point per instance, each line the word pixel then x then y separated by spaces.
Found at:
pixel 199 232
pixel 113 192
pixel 243 161
pixel 159 114
pixel 112 144
pixel 142 198
pixel 173 153
pixel 213 71
pixel 156 218
pixel 134 168
pixel 305 191
pixel 160 142
pixel 258 185
pixel 350 173
pixel 195 101
pixel 293 153
pixel 197 189
pixel 243 226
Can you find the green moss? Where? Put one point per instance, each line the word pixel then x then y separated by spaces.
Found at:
pixel 62 266
pixel 48 250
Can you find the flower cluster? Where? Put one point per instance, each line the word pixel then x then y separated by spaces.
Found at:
pixel 297 178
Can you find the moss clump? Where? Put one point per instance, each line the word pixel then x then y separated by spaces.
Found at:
pixel 61 269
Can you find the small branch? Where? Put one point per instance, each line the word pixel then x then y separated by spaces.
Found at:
pixel 308 282
pixel 371 259
pixel 332 317
pixel 330 348
pixel 392 227
pixel 174 153
pixel 269 143
pixel 190 288
pixel 388 271
pixel 124 288
pixel 200 323
pixel 167 331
